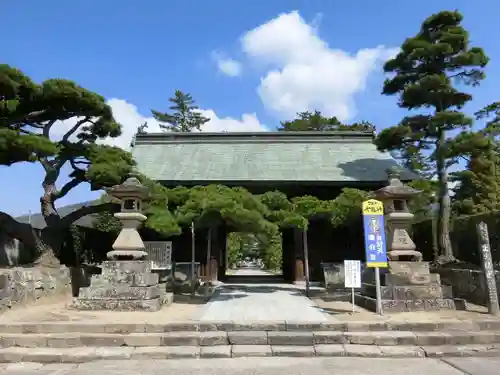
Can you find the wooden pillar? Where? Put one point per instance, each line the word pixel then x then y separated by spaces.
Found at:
pixel 216 253
pixel 288 254
pixel 214 269
pixel 299 256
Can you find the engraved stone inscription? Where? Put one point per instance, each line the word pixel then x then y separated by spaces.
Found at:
pixel 489 272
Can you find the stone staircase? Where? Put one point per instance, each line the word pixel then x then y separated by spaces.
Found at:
pixel 77 342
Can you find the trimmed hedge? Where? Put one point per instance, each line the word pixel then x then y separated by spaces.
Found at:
pixel 463 237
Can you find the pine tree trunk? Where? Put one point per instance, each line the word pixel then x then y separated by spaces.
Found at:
pixel 49 247
pixel 443 228
pixel 51 237
pixel 435 238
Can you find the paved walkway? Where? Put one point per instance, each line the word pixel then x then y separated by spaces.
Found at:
pixel 266 366
pixel 257 302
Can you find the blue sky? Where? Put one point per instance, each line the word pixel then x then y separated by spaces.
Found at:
pixel 248 64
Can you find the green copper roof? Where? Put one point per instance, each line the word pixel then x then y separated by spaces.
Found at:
pixel 263 156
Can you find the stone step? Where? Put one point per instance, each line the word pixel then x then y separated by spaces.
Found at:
pixel 87 354
pixel 220 338
pixel 229 326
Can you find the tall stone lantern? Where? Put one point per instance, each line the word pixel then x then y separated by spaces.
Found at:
pixel 128 245
pixel 398 217
pixel 126 282
pixel 407 284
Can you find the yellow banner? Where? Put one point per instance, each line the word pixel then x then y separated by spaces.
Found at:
pixel 376 264
pixel 373 207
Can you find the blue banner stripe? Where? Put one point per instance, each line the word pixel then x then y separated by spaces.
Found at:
pixel 375 241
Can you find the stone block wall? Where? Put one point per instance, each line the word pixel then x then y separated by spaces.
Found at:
pixel 23 285
pixel 467 284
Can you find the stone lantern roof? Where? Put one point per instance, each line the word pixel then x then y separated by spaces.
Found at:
pixel 131 188
pixel 396 189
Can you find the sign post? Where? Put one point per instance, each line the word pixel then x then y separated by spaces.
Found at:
pixel 375 243
pixel 352 277
pixel 193 258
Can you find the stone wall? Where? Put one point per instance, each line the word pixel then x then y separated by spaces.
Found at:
pixel 23 285
pixel 467 284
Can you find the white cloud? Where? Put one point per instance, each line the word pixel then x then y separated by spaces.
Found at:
pixel 127 115
pixel 227 66
pixel 248 123
pixel 305 73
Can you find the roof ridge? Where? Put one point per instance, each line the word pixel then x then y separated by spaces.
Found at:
pixel 277 136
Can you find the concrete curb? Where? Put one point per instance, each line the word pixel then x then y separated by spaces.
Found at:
pixel 88 354
pixel 228 326
pixel 247 338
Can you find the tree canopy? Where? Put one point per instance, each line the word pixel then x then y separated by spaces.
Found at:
pixel 169 210
pixel 426 72
pixel 315 121
pixel 185 115
pixel 478 185
pixel 57 124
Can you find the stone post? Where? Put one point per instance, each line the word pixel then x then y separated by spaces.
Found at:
pixel 489 271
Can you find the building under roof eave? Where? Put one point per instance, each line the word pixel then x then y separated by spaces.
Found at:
pixel 323 158
pixel 337 158
pixel 38 222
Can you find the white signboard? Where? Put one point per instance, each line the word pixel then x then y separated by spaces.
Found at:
pixel 352 272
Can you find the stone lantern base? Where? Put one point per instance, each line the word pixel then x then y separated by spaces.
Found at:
pixel 407 286
pixel 124 285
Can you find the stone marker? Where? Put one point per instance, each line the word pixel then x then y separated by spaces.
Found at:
pixel 489 272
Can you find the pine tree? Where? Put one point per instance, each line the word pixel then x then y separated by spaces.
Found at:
pixel 315 121
pixel 425 74
pixel 185 116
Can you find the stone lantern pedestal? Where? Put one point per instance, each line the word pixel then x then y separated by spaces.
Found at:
pixel 126 282
pixel 407 284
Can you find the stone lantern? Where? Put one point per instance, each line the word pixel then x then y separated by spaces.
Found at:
pixel 128 245
pixel 126 281
pixel 398 218
pixel 407 283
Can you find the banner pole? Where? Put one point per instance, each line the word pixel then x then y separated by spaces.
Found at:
pixel 377 288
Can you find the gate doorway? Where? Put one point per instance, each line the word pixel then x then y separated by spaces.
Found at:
pixel 253 258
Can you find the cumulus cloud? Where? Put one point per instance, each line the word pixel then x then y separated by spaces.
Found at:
pixel 248 123
pixel 128 115
pixel 304 72
pixel 226 65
